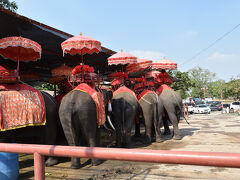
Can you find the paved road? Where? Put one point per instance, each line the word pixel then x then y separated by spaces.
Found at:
pixel 215 132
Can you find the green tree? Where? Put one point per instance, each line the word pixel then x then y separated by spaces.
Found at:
pixel 202 78
pixel 182 83
pixel 233 88
pixel 6 4
pixel 217 89
pixel 43 86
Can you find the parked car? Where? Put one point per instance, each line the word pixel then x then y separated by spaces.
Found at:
pixel 226 108
pixel 202 108
pixel 213 107
pixel 219 107
pixel 235 106
pixel 190 107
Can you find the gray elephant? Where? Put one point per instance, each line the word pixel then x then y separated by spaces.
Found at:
pixel 47 134
pixel 151 106
pixel 78 116
pixel 172 103
pixel 125 112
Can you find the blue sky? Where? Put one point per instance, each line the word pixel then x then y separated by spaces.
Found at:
pixel 176 29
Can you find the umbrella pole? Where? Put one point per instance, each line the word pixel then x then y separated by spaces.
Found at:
pixel 18 66
pixel 82 67
pixel 18 61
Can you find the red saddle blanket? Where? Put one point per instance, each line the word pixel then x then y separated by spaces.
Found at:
pixel 162 88
pixel 144 93
pixel 124 89
pixel 98 98
pixel 22 107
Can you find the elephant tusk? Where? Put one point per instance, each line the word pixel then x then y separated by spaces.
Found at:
pixel 110 122
pixel 109 107
pixel 104 125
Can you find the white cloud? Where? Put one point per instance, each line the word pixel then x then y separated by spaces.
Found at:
pixel 220 57
pixel 152 55
pixel 224 65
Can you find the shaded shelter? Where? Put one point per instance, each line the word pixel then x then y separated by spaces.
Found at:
pixel 50 40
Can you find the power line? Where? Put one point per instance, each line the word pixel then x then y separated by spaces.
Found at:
pixel 212 44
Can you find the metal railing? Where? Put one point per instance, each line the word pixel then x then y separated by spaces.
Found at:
pixel 216 159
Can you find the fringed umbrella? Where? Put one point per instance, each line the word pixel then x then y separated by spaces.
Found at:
pixel 20 49
pixel 164 64
pixel 141 65
pixel 81 45
pixel 62 71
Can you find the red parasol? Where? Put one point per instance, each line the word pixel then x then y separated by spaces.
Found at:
pixel 139 66
pixel 20 49
pixel 81 45
pixel 164 64
pixel 62 71
pixel 122 58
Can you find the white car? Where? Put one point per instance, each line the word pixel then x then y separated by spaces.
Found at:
pixel 189 107
pixel 235 106
pixel 202 108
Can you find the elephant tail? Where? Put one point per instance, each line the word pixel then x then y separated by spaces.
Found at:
pixel 123 116
pixel 179 107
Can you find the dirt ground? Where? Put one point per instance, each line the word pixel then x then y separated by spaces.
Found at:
pixel 215 132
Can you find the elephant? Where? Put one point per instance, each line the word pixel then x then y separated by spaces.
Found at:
pixel 78 116
pixel 125 111
pixel 151 106
pixel 172 106
pixel 47 134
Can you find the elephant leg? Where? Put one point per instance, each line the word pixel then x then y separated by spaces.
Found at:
pixel 174 121
pixel 129 118
pixel 165 124
pixel 72 140
pixel 94 142
pixel 50 139
pixel 157 120
pixel 118 132
pixel 148 128
pixel 137 130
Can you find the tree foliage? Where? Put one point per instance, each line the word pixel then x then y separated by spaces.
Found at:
pixel 181 82
pixel 43 86
pixel 217 89
pixel 232 88
pixel 6 4
pixel 202 79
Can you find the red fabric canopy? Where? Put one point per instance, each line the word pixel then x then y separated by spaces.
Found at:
pixel 139 66
pixel 122 58
pixel 164 64
pixel 62 70
pixel 81 45
pixel 19 48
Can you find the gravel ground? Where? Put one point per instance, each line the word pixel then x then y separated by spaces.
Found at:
pixel 215 132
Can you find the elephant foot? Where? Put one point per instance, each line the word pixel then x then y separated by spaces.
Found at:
pixel 96 162
pixel 148 141
pixel 159 140
pixel 75 163
pixel 75 166
pixel 51 161
pixel 177 137
pixel 166 133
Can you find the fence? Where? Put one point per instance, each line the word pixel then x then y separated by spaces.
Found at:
pixel 139 155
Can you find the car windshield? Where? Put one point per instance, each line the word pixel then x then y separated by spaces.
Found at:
pixel 202 106
pixel 226 105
